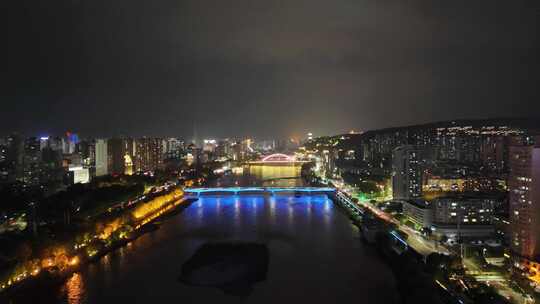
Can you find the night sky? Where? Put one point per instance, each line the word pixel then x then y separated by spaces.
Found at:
pixel 263 68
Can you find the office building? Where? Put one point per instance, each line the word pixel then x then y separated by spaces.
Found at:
pixel 418 211
pixel 466 210
pixel 80 175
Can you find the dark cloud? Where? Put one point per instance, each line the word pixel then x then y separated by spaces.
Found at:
pixel 264 68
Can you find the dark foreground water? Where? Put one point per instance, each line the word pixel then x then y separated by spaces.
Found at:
pixel 315 256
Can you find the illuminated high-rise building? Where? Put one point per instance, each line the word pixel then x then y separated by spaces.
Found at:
pixel 43 142
pixel 209 145
pixel 4 172
pixel 69 143
pixel 245 149
pixel 80 174
pixel 223 148
pixel 120 155
pixel 524 197
pixel 148 154
pixel 32 161
pixel 56 143
pixel 407 164
pixel 52 169
pixel 14 157
pixel 102 160
pixel 172 148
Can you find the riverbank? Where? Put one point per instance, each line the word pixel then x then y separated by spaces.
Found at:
pixel 415 284
pixel 30 285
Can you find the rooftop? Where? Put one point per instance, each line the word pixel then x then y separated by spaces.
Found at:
pixel 420 203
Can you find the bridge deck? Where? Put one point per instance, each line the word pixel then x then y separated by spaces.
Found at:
pixel 262 190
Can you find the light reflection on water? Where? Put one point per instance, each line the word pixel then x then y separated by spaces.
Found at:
pixel 75 289
pixel 273 210
pixel 290 212
pixel 312 247
pixel 263 175
pixel 300 232
pixel 270 173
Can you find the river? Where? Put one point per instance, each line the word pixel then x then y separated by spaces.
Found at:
pixel 315 255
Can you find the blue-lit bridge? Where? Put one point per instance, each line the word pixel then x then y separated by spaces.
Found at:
pixel 259 190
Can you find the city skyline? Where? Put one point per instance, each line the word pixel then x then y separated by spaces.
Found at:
pixel 458 195
pixel 525 122
pixel 277 151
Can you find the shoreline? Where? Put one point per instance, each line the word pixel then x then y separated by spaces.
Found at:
pixel 403 266
pixel 53 279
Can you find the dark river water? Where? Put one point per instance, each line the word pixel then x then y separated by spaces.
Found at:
pixel 315 256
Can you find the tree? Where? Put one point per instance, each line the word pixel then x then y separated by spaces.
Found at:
pixel 23 251
pixel 444 239
pixel 438 264
pixel 426 231
pixel 409 224
pixel 368 187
